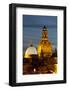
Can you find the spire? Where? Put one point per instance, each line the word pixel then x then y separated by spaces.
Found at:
pixel 45 33
pixel 45 28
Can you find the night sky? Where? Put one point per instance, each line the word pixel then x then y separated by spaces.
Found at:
pixel 32 28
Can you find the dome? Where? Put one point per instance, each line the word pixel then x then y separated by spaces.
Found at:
pixel 30 51
pixel 45 48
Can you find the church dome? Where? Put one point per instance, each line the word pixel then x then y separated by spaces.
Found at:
pixel 45 48
pixel 31 50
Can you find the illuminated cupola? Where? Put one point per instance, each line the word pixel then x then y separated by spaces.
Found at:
pixel 44 33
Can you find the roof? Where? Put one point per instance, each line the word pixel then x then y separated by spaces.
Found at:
pixel 31 50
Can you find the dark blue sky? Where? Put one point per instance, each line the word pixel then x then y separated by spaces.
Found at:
pixel 33 27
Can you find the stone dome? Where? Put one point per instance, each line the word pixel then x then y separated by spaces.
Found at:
pixel 45 48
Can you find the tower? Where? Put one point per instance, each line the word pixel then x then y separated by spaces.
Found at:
pixel 44 45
